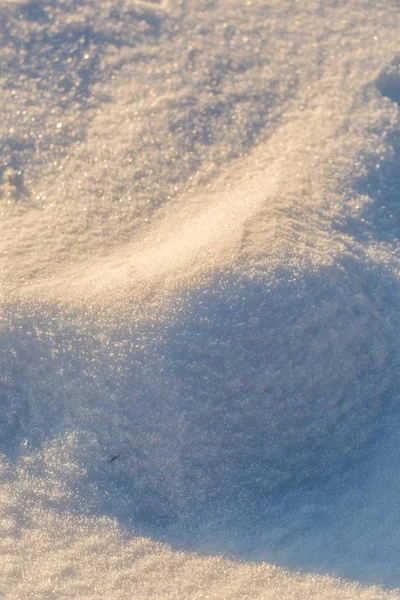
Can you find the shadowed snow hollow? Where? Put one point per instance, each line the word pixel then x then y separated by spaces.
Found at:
pixel 244 388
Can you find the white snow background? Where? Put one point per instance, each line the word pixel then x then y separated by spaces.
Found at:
pixel 199 260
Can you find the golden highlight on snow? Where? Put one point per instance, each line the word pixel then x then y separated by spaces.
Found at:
pixel 199 306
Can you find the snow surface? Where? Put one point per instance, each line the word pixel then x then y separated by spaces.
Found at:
pixel 200 310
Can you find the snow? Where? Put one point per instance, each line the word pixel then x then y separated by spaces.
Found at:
pixel 199 305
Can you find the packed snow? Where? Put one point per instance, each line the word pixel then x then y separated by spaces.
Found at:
pixel 199 305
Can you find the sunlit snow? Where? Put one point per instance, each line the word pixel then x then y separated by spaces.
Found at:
pixel 199 303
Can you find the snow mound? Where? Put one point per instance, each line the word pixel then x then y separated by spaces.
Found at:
pixel 244 388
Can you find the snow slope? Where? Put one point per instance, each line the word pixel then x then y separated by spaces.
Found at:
pixel 199 305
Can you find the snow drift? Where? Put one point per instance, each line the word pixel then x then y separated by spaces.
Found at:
pixel 199 373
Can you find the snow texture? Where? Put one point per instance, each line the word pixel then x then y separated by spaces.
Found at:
pixel 199 302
